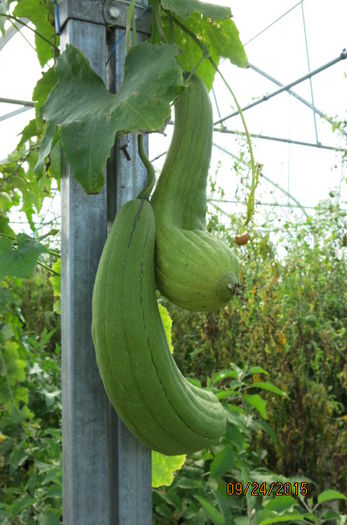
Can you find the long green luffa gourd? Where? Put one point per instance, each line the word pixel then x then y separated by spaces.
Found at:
pixel 194 270
pixel 142 381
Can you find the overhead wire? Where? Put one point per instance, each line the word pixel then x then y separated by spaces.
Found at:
pixel 270 204
pixel 216 102
pixel 271 24
pixel 289 150
pixel 280 139
pixel 294 94
pixel 267 137
pixel 309 69
pixel 265 98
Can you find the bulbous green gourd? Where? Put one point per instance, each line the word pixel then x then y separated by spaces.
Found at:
pixel 142 381
pixel 194 269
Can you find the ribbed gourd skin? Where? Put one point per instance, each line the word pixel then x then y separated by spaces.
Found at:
pixel 194 270
pixel 141 378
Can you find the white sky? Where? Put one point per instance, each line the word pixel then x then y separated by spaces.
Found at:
pixel 281 52
pixel 308 172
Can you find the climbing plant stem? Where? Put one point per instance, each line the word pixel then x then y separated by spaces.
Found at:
pixel 130 15
pixel 50 270
pixel 158 24
pixel 19 21
pixel 146 192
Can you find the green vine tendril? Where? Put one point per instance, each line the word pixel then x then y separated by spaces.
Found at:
pixel 19 21
pixel 146 191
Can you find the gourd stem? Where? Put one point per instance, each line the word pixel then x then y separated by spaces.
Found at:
pixel 146 191
pixel 158 23
pixel 255 169
pixel 204 57
pixel 50 270
pixel 130 15
pixel 171 27
pixel 134 29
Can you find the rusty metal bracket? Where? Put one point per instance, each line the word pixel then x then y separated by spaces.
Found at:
pixel 112 13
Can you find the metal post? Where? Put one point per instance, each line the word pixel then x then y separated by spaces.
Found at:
pixel 106 472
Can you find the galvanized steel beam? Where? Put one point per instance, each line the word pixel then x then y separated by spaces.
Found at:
pixel 106 472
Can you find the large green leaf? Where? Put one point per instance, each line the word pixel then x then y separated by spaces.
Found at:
pixel 31 189
pixel 219 38
pixel 242 520
pixel 3 11
pixel 222 462
pixel 88 116
pixel 48 517
pixel 257 402
pixel 18 258
pixel 224 39
pixel 215 515
pixel 268 430
pixel 15 366
pixel 257 370
pixel 55 280
pixel 43 87
pixel 5 226
pixel 224 394
pixel 184 8
pixel 283 518
pixel 167 323
pixel 224 374
pixel 5 202
pixel 33 129
pixel 281 503
pixel 37 188
pixel 41 14
pixel 265 385
pixel 191 53
pixel 163 468
pixel 329 495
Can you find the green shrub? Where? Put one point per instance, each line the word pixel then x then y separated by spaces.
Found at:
pixel 289 318
pixel 228 483
pixel 30 404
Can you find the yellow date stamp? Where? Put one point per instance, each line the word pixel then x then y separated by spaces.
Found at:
pixel 275 488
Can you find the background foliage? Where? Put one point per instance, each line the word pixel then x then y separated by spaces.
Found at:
pixel 289 318
pixel 30 403
pixel 286 327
